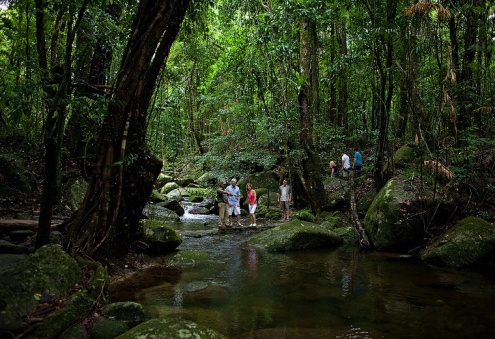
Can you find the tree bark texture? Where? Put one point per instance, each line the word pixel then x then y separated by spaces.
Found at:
pixel 311 176
pixel 124 171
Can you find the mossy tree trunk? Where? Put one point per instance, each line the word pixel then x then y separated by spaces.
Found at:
pixel 311 177
pixel 124 171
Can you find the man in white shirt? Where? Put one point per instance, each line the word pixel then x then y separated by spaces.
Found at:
pixel 346 165
pixel 284 198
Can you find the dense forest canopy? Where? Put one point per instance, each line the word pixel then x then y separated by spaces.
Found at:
pixel 257 85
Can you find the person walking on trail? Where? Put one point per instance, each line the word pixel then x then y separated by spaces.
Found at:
pixel 223 210
pixel 233 201
pixel 251 194
pixel 358 163
pixel 335 169
pixel 346 165
pixel 284 197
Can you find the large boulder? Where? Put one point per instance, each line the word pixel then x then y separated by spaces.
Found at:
pixel 162 180
pixel 178 194
pixel 295 235
pixel 160 238
pixel 168 187
pixel 49 273
pixel 128 312
pixel 464 244
pixel 405 156
pixel 171 328
pixel 159 213
pixel 396 218
pixel 172 205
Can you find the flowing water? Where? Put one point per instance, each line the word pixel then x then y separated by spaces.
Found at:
pixel 340 293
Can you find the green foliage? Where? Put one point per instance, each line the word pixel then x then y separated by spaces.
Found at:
pixel 304 215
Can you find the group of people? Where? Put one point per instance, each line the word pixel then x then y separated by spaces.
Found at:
pixel 228 198
pixel 346 165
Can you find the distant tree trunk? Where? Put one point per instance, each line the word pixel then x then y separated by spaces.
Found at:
pixel 125 172
pixel 343 103
pixel 465 93
pixel 311 176
pixel 384 68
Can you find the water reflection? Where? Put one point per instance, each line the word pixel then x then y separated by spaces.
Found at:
pixel 244 293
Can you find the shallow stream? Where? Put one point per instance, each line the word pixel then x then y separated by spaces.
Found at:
pixel 341 293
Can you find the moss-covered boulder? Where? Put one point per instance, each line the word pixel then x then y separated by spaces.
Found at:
pixel 162 180
pixel 364 203
pixel 169 187
pixel 464 244
pixel 48 273
pixel 157 197
pixel 305 215
pixel 295 235
pixel 108 328
pixel 160 238
pixel 405 156
pixel 395 219
pixel 64 318
pixel 171 328
pixel 159 213
pixel 178 194
pixel 172 205
pixel 128 312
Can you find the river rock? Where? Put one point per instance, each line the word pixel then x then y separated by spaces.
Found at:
pixel 159 213
pixel 168 187
pixel 178 194
pixel 107 328
pixel 49 273
pixel 295 235
pixel 173 205
pixel 160 238
pixel 464 244
pixel 171 327
pixel 162 180
pixel 199 210
pixel 395 219
pixel 128 312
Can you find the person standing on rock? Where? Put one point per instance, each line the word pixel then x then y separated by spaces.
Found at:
pixel 251 194
pixel 346 165
pixel 284 197
pixel 358 163
pixel 234 201
pixel 223 203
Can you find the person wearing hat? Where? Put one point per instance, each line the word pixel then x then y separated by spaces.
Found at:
pixel 223 203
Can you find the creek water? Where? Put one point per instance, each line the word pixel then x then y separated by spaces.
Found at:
pixel 339 293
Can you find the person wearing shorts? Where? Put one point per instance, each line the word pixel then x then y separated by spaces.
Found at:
pixel 251 194
pixel 346 165
pixel 234 200
pixel 284 197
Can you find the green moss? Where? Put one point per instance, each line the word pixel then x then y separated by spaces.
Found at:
pixel 464 244
pixel 108 328
pixel 295 235
pixel 304 215
pixel 171 327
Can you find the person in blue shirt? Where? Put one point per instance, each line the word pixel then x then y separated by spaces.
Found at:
pixel 358 163
pixel 234 201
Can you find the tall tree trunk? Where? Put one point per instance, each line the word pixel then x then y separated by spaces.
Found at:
pixel 311 177
pixel 54 131
pixel 125 172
